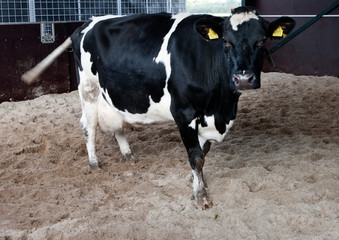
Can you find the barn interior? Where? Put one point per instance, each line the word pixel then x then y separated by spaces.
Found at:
pixel 275 176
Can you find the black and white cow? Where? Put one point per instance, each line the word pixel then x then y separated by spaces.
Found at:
pixel 144 68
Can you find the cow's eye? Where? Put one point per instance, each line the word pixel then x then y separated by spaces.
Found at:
pixel 260 43
pixel 228 44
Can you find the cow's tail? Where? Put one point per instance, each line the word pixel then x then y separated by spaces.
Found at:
pixel 30 76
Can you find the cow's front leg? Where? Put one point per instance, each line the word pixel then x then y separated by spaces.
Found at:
pixel 199 191
pixel 196 159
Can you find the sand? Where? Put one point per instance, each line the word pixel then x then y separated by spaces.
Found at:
pixel 275 175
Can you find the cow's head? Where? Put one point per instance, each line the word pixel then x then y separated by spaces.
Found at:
pixel 244 34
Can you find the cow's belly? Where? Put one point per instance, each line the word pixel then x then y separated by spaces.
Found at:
pixel 157 112
pixel 108 118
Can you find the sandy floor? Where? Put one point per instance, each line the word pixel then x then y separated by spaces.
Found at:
pixel 275 176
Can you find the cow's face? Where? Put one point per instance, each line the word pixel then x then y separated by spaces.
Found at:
pixel 244 35
pixel 244 39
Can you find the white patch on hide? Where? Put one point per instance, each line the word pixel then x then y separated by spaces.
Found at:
pixel 157 112
pixel 164 56
pixel 240 18
pixel 210 133
pixel 202 141
pixel 109 119
pixel 95 20
pixel 86 56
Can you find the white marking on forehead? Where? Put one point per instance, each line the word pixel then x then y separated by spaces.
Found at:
pixel 240 18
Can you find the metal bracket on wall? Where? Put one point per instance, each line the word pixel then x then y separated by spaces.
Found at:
pixel 47 33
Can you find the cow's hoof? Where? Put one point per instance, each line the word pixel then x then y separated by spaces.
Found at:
pixel 203 204
pixel 95 166
pixel 129 157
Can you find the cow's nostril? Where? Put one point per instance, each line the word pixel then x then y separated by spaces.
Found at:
pixel 236 79
pixel 251 78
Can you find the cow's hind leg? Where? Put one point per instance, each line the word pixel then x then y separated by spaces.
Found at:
pixel 89 92
pixel 124 146
pixel 205 145
pixel 111 121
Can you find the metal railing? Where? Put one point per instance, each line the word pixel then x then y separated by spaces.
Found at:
pixel 24 11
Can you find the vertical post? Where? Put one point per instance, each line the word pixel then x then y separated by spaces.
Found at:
pixel 169 6
pixel 147 10
pixel 182 6
pixel 119 7
pixel 31 8
pixel 79 10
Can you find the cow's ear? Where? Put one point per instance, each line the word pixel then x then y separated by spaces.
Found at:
pixel 280 27
pixel 209 29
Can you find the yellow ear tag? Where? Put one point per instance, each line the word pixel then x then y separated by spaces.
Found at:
pixel 212 34
pixel 279 32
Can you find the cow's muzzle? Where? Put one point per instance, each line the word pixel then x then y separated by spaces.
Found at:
pixel 244 81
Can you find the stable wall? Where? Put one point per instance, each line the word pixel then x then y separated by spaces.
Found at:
pixel 312 52
pixel 21 49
